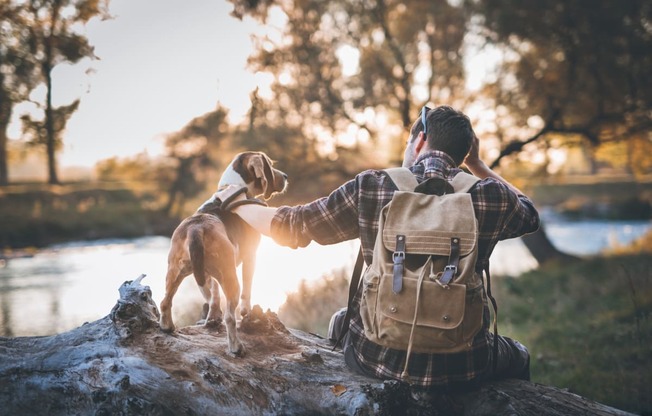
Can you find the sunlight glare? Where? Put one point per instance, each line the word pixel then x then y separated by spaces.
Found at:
pixel 349 58
pixel 279 270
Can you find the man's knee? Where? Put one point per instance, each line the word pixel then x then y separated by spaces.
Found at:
pixel 513 359
pixel 335 325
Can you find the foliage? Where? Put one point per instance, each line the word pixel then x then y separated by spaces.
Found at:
pixel 43 34
pixel 188 154
pixel 42 217
pixel 310 308
pixel 571 68
pixel 16 70
pixel 35 131
pixel 339 65
pixel 588 327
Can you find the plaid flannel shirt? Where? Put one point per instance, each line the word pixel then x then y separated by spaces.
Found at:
pixel 353 210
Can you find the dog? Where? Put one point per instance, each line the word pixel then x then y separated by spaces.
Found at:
pixel 213 241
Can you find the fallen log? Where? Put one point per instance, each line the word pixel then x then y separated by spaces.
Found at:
pixel 123 364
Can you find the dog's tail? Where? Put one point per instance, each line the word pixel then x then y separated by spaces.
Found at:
pixel 196 248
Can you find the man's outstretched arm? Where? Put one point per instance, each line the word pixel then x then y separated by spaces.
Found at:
pixel 257 216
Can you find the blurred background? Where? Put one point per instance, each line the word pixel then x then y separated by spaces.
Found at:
pixel 117 118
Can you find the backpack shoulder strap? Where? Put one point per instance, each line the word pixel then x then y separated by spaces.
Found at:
pixel 462 182
pixel 403 178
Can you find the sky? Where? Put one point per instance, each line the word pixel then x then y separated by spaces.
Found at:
pixel 161 63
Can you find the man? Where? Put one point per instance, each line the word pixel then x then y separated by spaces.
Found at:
pixel 352 211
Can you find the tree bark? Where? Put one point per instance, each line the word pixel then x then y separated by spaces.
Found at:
pixel 123 364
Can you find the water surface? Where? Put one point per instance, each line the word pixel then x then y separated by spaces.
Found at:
pixel 62 287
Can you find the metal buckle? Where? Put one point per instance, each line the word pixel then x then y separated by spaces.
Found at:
pixel 451 267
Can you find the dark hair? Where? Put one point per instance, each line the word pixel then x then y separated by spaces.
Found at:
pixel 448 130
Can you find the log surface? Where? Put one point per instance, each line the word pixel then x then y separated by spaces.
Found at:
pixel 124 364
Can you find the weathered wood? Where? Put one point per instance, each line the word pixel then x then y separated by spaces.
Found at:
pixel 123 364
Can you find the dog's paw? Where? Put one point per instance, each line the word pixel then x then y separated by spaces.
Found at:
pixel 212 324
pixel 238 350
pixel 168 329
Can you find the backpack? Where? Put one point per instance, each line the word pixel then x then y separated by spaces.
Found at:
pixel 421 293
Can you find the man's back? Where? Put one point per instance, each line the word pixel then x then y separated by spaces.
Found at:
pixel 353 210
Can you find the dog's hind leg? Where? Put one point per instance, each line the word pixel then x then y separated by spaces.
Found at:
pixel 211 292
pixel 173 279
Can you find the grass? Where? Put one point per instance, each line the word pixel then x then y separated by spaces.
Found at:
pixel 588 327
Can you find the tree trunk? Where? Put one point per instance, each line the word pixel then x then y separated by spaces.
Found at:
pixel 123 364
pixel 542 248
pixel 50 139
pixel 5 118
pixel 4 157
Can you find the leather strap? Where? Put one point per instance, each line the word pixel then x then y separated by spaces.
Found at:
pixel 453 262
pixel 230 198
pixel 229 206
pixel 495 307
pixel 353 289
pixel 398 257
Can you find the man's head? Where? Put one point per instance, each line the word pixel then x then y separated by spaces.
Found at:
pixel 447 130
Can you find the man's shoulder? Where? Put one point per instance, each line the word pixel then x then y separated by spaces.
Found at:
pixel 374 175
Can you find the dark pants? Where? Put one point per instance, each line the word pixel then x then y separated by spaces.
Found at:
pixel 513 357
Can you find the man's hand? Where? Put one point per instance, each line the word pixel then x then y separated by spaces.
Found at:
pixel 480 169
pixel 473 160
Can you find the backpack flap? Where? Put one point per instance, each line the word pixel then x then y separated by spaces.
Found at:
pixel 429 231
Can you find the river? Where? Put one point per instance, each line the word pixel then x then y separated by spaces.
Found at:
pixel 63 286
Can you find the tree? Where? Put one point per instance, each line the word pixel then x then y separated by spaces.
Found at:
pixel 188 151
pixel 44 133
pixel 340 64
pixel 580 67
pixel 16 71
pixel 52 40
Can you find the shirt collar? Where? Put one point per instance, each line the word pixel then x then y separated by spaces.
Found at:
pixel 436 161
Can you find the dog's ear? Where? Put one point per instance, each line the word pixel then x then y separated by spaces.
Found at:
pixel 263 171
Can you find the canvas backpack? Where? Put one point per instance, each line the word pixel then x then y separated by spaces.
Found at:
pixel 422 293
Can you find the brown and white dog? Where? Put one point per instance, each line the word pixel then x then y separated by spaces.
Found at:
pixel 213 242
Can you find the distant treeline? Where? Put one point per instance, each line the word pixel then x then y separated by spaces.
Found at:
pixel 39 218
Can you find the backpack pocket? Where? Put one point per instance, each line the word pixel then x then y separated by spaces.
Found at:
pixel 369 302
pixel 444 325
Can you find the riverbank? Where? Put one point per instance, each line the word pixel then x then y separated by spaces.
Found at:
pixel 38 215
pixel 41 216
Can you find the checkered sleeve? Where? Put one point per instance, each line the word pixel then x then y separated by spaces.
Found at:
pixel 327 220
pixel 502 213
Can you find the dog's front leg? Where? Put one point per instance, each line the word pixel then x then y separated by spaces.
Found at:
pixel 232 293
pixel 248 268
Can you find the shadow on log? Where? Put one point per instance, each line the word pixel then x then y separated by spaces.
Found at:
pixel 123 364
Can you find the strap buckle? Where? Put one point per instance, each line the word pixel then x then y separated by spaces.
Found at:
pixel 398 257
pixel 449 272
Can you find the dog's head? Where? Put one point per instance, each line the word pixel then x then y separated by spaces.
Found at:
pixel 254 170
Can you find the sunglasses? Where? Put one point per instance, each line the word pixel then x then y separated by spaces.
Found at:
pixel 424 113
